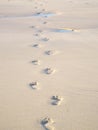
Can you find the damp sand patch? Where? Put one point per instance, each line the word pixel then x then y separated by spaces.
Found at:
pixel 64 30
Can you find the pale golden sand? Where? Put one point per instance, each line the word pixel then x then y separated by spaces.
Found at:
pixel 68 27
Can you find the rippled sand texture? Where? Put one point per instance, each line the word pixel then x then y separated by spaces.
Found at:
pixel 48 65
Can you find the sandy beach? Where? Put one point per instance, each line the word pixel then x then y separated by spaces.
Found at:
pixel 48 65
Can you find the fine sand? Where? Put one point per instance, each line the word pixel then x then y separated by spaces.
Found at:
pixel 48 65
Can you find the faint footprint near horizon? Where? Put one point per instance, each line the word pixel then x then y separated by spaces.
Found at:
pixel 45 39
pixel 47 123
pixel 45 22
pixel 51 52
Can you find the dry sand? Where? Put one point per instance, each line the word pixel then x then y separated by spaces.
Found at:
pixel 29 29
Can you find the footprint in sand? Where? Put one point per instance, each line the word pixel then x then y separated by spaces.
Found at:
pixel 36 62
pixel 43 10
pixel 45 16
pixel 32 26
pixel 36 34
pixel 34 85
pixel 51 52
pixel 45 39
pixel 40 31
pixel 37 45
pixel 41 4
pixel 47 123
pixel 36 7
pixel 57 100
pixel 49 71
pixel 45 22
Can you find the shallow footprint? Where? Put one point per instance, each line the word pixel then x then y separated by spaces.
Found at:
pixel 33 27
pixel 49 71
pixel 51 52
pixel 45 39
pixel 43 9
pixel 45 22
pixel 47 123
pixel 57 100
pixel 37 45
pixel 34 85
pixel 36 62
pixel 40 31
pixel 36 34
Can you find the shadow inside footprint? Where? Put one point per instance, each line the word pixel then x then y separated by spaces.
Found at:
pixel 50 52
pixel 48 71
pixel 32 26
pixel 33 85
pixel 47 123
pixel 36 34
pixel 36 62
pixel 57 100
pixel 45 22
pixel 36 45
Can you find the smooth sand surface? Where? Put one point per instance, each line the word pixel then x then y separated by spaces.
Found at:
pixel 71 28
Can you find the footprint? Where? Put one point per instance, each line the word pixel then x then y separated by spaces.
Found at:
pixel 50 52
pixel 34 85
pixel 38 13
pixel 45 16
pixel 49 71
pixel 37 45
pixel 47 123
pixel 41 4
pixel 45 22
pixel 36 34
pixel 43 10
pixel 40 31
pixel 32 26
pixel 36 7
pixel 36 62
pixel 57 100
pixel 45 39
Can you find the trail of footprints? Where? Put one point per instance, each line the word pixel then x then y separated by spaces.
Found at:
pixel 56 100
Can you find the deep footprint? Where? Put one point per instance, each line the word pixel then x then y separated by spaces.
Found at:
pixel 37 45
pixel 49 71
pixel 34 85
pixel 57 100
pixel 36 62
pixel 47 123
